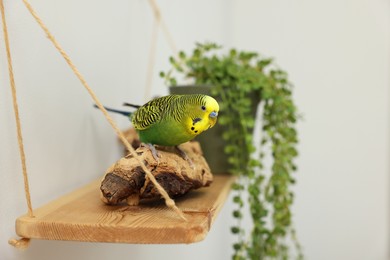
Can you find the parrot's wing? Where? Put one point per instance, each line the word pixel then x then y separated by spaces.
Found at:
pixel 155 111
pixel 146 116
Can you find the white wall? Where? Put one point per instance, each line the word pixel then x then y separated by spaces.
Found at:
pixel 337 55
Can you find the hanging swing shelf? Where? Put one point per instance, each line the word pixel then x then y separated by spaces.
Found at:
pixel 82 216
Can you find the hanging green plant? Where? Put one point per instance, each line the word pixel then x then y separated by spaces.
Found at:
pixel 241 80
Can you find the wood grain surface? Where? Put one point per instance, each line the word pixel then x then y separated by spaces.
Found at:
pixel 82 216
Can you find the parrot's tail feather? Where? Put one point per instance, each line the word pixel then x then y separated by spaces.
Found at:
pixel 131 105
pixel 125 113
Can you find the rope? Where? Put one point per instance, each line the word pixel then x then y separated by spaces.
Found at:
pixel 168 201
pixel 158 20
pixel 152 58
pixel 16 111
pixel 158 16
pixel 21 243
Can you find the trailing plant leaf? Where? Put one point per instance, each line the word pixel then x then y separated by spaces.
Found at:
pixel 240 80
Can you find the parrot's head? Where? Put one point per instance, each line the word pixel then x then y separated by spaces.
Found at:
pixel 210 109
pixel 202 113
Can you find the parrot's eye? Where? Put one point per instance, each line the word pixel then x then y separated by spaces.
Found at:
pixel 203 108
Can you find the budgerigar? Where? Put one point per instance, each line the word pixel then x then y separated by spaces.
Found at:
pixel 172 120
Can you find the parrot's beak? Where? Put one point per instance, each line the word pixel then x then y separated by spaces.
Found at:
pixel 214 114
pixel 213 118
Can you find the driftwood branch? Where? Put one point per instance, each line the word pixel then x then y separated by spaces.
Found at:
pixel 125 180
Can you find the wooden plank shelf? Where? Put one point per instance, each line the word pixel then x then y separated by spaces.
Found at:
pixel 82 216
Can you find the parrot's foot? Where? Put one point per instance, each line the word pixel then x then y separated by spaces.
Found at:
pixel 154 152
pixel 185 156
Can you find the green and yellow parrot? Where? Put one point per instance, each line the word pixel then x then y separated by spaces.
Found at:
pixel 172 120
